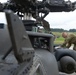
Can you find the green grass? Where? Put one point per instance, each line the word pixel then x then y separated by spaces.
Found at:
pixel 59 40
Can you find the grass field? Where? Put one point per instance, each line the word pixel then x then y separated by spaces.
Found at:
pixel 59 39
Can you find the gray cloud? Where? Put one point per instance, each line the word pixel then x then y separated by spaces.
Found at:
pixel 62 19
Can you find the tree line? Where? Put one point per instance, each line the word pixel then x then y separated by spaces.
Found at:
pixel 62 30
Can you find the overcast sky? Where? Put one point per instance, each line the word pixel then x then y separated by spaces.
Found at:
pixel 65 20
